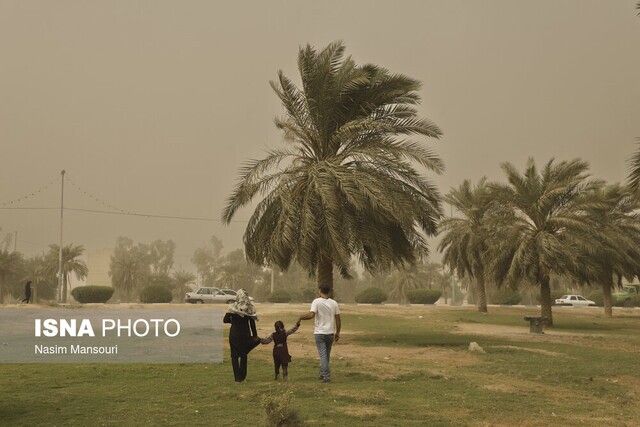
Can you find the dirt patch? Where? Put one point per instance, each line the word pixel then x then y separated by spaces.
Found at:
pixel 379 362
pixel 533 350
pixel 361 411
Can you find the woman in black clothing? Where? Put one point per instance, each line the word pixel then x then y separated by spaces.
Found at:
pixel 27 292
pixel 243 336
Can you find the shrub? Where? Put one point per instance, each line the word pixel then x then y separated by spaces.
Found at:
pixel 554 295
pixel 596 296
pixel 278 408
pixel 424 296
pixel 372 295
pixel 279 295
pixel 92 294
pixel 155 294
pixel 309 294
pixel 635 301
pixel 506 297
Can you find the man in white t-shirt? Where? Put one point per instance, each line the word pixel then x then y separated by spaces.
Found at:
pixel 326 329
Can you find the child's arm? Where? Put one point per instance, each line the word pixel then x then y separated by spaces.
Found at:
pixel 293 330
pixel 266 340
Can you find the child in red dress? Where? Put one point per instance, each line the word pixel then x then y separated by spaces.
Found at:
pixel 281 356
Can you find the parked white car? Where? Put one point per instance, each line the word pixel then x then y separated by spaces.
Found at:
pixel 575 301
pixel 209 295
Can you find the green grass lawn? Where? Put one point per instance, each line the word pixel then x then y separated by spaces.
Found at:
pixel 394 367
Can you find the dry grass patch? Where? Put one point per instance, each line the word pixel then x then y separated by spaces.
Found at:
pixel 361 411
pixel 534 350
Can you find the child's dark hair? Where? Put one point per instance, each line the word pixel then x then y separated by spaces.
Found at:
pixel 279 325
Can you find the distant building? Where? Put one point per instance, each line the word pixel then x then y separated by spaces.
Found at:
pixel 98 266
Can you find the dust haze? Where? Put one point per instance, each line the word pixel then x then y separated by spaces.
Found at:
pixel 151 107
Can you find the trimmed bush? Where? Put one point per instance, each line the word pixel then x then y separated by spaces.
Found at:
pixel 279 295
pixel 309 294
pixel 424 296
pixel 506 297
pixel 596 296
pixel 554 295
pixel 372 295
pixel 635 301
pixel 92 294
pixel 155 294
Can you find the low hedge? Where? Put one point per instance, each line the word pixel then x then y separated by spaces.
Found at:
pixel 596 296
pixel 309 294
pixel 279 295
pixel 92 294
pixel 635 301
pixel 554 295
pixel 424 296
pixel 506 297
pixel 372 295
pixel 155 294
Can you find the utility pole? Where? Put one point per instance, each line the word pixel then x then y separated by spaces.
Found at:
pixel 61 298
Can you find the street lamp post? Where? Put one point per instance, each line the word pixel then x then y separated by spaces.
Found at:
pixel 62 297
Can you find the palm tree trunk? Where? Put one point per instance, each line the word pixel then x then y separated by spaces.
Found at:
pixel 480 289
pixel 482 295
pixel 545 301
pixel 607 300
pixel 64 288
pixel 325 272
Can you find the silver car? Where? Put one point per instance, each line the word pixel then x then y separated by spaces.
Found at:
pixel 209 295
pixel 575 301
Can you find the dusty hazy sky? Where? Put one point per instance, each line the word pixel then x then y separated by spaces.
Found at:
pixel 151 106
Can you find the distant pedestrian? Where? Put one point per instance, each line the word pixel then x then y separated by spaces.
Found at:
pixel 281 356
pixel 326 329
pixel 27 292
pixel 243 336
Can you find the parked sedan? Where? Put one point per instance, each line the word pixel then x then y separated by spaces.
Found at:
pixel 575 301
pixel 209 295
pixel 233 293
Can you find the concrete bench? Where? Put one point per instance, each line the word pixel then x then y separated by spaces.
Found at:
pixel 535 324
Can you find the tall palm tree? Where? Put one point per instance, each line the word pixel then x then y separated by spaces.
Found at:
pixel 35 269
pixel 9 269
pixel 544 235
pixel 405 279
pixel 70 265
pixel 615 252
pixel 633 180
pixel 128 272
pixel 346 183
pixel 465 244
pixel 179 280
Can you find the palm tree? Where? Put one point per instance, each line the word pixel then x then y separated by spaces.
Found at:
pixel 179 280
pixel 465 244
pixel 616 234
pixel 70 265
pixel 544 234
pixel 346 183
pixel 9 269
pixel 35 269
pixel 633 180
pixel 406 278
pixel 128 272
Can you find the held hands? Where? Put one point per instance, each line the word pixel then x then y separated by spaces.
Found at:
pixel 336 337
